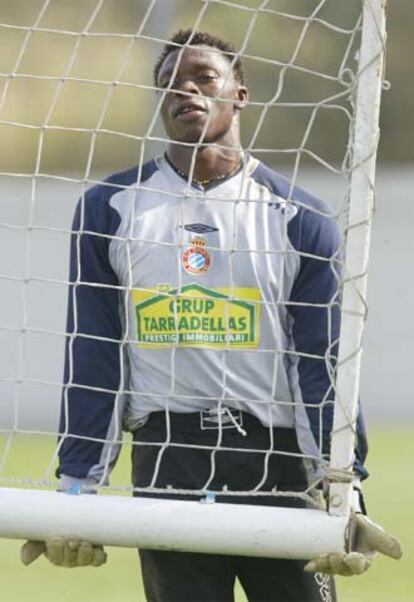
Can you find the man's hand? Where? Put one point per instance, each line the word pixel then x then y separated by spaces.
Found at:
pixel 64 552
pixel 369 539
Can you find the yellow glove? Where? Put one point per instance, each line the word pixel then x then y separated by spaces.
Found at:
pixel 64 552
pixel 369 539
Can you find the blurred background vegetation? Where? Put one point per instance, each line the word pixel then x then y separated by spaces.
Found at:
pixel 61 112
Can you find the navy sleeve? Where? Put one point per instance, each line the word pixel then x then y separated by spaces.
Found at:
pixel 315 330
pixel 315 309
pixel 94 331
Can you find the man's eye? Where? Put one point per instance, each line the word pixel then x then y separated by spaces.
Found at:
pixel 167 83
pixel 206 77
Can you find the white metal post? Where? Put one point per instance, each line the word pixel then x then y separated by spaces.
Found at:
pixel 361 207
pixel 170 524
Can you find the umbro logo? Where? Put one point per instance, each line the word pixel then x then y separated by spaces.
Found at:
pixel 200 228
pixel 285 207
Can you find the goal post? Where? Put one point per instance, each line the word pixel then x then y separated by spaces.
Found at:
pixel 356 255
pixel 29 509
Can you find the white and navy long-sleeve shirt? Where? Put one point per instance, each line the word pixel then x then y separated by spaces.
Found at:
pixel 184 297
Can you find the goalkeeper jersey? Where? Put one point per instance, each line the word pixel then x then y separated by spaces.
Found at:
pixel 190 298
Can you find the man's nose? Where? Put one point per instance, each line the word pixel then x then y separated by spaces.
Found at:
pixel 185 87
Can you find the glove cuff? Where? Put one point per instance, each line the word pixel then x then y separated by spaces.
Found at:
pixel 68 484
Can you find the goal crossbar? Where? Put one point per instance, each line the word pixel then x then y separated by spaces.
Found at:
pixel 214 528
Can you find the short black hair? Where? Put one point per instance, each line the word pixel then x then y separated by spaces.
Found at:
pixel 199 38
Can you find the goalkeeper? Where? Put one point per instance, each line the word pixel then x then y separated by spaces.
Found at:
pixel 204 292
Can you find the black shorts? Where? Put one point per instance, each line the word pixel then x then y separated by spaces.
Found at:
pixel 181 576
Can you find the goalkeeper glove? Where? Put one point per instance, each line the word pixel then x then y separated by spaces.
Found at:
pixel 369 538
pixel 66 552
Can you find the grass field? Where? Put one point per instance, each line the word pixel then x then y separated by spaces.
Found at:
pixel 389 496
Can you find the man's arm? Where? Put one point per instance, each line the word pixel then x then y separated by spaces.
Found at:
pixel 315 312
pixel 91 409
pixel 314 235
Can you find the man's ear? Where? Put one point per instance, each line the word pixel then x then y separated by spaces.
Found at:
pixel 242 98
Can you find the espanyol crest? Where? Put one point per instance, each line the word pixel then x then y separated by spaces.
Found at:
pixel 196 259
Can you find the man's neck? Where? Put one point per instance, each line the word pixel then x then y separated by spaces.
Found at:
pixel 208 164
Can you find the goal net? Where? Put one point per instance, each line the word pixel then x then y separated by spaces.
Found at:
pixel 78 103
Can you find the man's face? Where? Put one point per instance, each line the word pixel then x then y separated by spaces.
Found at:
pixel 203 75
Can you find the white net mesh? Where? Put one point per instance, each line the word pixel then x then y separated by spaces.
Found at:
pixel 77 103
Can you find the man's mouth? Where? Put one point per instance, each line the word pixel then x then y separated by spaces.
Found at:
pixel 189 109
